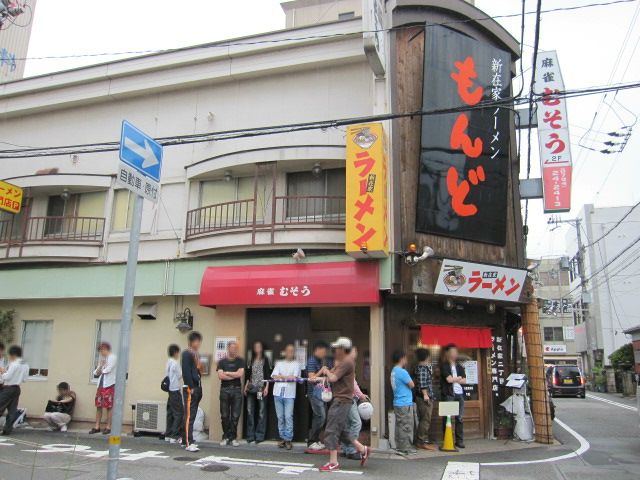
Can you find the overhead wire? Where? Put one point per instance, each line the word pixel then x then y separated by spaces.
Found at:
pixel 616 225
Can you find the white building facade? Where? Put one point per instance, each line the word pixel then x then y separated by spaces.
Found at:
pixel 610 236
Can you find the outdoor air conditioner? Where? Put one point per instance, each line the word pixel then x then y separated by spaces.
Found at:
pixel 151 417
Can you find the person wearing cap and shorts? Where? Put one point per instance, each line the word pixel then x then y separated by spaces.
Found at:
pixel 106 375
pixel 342 379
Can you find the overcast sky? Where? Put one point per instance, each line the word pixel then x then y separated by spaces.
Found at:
pixel 590 43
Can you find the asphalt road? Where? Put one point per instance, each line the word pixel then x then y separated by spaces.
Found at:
pixel 612 432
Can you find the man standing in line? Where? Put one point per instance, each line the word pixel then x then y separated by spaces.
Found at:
pixel 285 372
pixel 342 378
pixel 424 399
pixel 355 422
pixel 192 388
pixel 230 372
pixel 10 379
pixel 318 359
pixel 402 386
pixel 106 375
pixel 58 412
pixel 175 409
pixel 452 377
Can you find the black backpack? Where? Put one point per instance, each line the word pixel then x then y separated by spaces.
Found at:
pixel 164 384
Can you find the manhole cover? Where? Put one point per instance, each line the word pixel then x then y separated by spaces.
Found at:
pixel 184 459
pixel 214 468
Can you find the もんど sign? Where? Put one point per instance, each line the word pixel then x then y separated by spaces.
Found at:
pixel 464 161
pixel 477 280
pixel 366 212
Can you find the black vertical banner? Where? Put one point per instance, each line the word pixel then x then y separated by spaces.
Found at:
pixel 463 179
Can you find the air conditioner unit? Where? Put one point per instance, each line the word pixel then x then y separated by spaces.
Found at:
pixel 151 417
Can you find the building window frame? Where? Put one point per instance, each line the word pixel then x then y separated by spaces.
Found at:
pixel 553 334
pixel 41 373
pixel 112 338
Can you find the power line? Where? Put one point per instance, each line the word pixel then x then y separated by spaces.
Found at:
pixel 100 147
pixel 617 224
pixel 312 37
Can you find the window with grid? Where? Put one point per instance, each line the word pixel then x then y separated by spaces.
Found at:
pixel 553 334
pixel 36 344
pixel 312 195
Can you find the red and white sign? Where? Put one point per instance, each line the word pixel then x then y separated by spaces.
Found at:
pixel 553 135
pixel 555 349
pixel 333 283
pixel 477 280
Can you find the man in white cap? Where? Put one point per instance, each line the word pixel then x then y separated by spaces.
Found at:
pixel 342 378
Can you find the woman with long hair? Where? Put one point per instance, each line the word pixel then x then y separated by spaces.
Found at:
pixel 256 390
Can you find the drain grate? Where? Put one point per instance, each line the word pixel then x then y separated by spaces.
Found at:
pixel 215 468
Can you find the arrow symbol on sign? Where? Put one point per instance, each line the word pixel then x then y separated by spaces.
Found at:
pixel 146 152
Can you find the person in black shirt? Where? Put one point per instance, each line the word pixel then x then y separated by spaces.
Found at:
pixel 192 388
pixel 58 412
pixel 230 372
pixel 452 378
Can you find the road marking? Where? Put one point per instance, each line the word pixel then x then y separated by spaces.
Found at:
pixel 4 443
pixel 461 471
pixel 88 452
pixel 617 404
pixel 284 468
pixel 584 446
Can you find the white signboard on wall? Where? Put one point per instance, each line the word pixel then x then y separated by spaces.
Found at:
pixel 221 346
pixel 555 349
pixel 374 35
pixel 478 280
pixel 471 370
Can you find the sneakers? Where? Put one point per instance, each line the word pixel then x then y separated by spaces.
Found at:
pixel 63 428
pixel 235 443
pixel 330 467
pixel 192 448
pixel 317 446
pixel 167 439
pixel 224 442
pixel 364 456
pixel 172 440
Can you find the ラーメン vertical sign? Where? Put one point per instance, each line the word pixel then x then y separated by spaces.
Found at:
pixel 366 213
pixel 553 135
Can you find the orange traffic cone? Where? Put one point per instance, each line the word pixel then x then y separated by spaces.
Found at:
pixel 447 444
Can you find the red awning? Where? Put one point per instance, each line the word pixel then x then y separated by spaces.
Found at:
pixel 309 284
pixel 462 337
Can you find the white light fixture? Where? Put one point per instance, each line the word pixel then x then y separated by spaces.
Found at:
pixel 299 255
pixel 227 176
pixel 65 194
pixel 449 304
pixel 491 308
pixel 316 170
pixel 411 256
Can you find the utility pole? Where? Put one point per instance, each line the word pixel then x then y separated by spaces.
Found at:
pixel 584 293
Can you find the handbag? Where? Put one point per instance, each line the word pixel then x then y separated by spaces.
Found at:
pixel 164 384
pixel 326 394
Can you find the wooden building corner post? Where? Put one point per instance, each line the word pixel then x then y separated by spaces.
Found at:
pixel 539 396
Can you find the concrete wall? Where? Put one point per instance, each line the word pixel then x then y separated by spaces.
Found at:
pixel 300 13
pixel 73 342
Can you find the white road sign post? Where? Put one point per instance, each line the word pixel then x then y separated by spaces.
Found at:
pixel 139 171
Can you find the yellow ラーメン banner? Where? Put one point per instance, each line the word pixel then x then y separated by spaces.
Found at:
pixel 10 197
pixel 366 223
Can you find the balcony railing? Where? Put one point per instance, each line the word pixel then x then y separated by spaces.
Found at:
pixel 52 229
pixel 283 211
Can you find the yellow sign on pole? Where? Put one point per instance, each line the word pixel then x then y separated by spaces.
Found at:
pixel 367 235
pixel 10 197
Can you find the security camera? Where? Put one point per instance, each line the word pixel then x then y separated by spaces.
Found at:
pixel 298 255
pixel 412 258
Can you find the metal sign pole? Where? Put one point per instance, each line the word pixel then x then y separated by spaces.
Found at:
pixel 125 335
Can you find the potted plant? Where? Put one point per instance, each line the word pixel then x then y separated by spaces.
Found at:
pixel 503 429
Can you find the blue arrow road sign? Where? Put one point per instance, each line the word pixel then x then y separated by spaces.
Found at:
pixel 140 151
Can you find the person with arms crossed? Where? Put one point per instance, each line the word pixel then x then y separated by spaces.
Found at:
pixel 175 408
pixel 11 378
pixel 58 412
pixel 230 372
pixel 106 375
pixel 402 387
pixel 286 373
pixel 452 377
pixel 192 388
pixel 342 378
pixel 424 399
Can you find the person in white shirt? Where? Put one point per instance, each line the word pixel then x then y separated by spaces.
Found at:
pixel 286 372
pixel 106 375
pixel 175 408
pixel 11 378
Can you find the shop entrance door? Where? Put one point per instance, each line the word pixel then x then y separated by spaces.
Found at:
pixel 277 328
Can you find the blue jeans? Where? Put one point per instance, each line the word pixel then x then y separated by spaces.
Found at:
pixel 319 417
pixel 256 430
pixel 354 425
pixel 284 412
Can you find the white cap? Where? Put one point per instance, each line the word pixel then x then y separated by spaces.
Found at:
pixel 342 342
